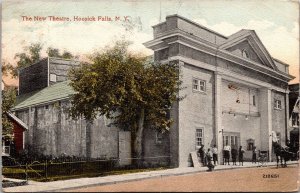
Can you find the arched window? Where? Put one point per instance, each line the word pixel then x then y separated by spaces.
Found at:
pixel 245 54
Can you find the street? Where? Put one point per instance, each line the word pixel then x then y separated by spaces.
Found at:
pixel 268 179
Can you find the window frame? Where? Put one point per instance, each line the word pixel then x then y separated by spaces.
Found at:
pixel 277 104
pixel 199 83
pixel 254 100
pixel 245 54
pixel 199 137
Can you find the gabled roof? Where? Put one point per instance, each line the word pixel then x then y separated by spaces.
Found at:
pixel 17 120
pixel 58 91
pixel 254 42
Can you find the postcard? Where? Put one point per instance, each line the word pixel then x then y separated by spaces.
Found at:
pixel 150 96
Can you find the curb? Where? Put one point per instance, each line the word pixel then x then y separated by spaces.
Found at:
pixel 161 176
pixel 156 176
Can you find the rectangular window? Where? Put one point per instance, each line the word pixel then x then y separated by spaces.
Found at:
pixel 232 141
pixel 199 137
pixel 253 100
pixel 199 85
pixel 277 104
pixel 226 140
pixel 195 84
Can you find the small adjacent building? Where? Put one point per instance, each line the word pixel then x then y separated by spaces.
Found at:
pixel 16 145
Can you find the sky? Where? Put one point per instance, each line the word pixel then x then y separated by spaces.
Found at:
pixel 275 22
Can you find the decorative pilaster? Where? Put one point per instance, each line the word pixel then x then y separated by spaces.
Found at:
pixel 265 104
pixel 218 115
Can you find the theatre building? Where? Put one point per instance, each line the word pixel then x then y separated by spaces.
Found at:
pixel 234 91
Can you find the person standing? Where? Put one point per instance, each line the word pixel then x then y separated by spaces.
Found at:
pixel 215 155
pixel 227 150
pixel 201 154
pixel 209 157
pixel 234 153
pixel 241 155
pixel 254 151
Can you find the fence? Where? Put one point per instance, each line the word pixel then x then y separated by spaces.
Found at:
pixel 48 170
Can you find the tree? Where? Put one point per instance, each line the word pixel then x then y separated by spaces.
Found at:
pixel 54 52
pixel 128 88
pixel 6 68
pixel 8 101
pixel 31 55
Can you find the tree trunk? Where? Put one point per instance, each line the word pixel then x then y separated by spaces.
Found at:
pixel 138 138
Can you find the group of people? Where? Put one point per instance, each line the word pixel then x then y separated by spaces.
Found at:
pixel 211 155
pixel 234 154
pixel 207 157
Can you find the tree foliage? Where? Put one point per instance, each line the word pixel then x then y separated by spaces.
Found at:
pixel 54 52
pixel 32 54
pixel 128 88
pixel 8 101
pixel 7 69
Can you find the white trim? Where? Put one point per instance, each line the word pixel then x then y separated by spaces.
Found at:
pixel 19 121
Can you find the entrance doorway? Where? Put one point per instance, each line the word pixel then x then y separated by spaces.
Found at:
pixel 232 139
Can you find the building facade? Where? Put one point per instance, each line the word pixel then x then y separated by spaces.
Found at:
pixel 235 92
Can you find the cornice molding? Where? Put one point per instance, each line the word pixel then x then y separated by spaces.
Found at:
pixel 227 74
pixel 220 53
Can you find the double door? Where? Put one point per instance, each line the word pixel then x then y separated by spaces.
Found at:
pixel 232 139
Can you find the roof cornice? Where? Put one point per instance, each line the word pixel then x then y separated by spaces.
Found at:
pixel 41 103
pixel 254 41
pixel 221 53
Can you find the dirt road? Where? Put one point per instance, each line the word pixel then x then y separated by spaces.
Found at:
pixel 268 179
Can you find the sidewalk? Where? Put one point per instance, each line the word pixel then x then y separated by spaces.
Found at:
pixel 87 182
